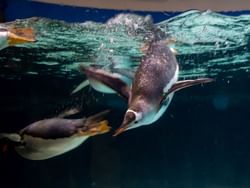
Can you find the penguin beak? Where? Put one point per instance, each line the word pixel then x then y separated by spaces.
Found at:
pixel 126 124
pixel 19 36
pixel 120 130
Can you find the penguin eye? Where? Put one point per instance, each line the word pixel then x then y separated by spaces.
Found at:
pixel 135 122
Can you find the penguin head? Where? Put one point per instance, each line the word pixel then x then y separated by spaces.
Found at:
pixel 132 119
pixel 13 36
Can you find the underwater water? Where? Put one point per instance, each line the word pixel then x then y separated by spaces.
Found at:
pixel 202 141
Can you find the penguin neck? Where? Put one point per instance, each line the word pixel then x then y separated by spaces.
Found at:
pixel 141 105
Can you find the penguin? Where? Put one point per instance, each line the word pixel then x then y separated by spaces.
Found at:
pixel 14 36
pixel 153 87
pixel 51 137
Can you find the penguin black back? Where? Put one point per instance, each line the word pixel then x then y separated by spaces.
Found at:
pixel 52 128
pixel 157 69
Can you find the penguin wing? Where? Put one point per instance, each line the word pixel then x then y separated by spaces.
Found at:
pixel 107 79
pixel 82 85
pixel 11 136
pixel 185 84
pixel 126 73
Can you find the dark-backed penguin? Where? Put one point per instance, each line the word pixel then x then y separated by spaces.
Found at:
pixel 48 138
pixel 14 36
pixel 153 87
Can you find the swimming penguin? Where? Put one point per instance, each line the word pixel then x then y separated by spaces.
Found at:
pixel 13 36
pixel 48 138
pixel 153 87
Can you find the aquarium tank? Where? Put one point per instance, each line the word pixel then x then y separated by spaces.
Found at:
pixel 115 94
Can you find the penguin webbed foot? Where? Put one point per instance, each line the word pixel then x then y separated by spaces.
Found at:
pixel 95 124
pixel 95 128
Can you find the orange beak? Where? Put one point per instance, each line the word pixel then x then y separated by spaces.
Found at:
pixel 126 124
pixel 19 36
pixel 120 130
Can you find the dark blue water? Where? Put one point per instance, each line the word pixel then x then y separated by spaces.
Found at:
pixel 202 141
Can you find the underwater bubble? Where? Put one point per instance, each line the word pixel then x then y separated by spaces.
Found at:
pixel 32 73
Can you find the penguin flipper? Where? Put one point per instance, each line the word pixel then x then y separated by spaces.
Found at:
pixel 185 84
pixel 81 86
pixel 107 79
pixel 11 136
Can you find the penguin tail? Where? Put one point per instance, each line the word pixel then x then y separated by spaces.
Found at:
pixel 20 35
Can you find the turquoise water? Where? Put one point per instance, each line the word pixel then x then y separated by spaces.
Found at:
pixel 201 141
pixel 61 46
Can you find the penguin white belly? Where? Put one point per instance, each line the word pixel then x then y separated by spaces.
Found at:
pixel 167 101
pixel 163 108
pixel 40 149
pixel 154 116
pixel 172 81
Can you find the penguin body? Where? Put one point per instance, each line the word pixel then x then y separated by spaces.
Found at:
pixel 152 89
pixel 157 72
pixel 48 138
